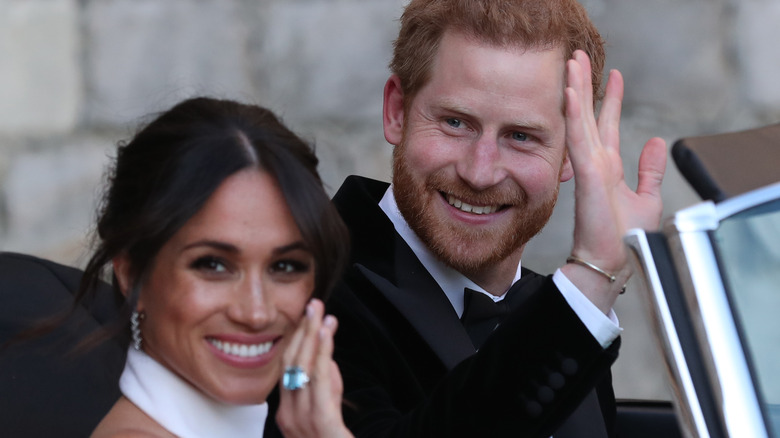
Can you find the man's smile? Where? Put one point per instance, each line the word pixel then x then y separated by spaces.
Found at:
pixel 469 208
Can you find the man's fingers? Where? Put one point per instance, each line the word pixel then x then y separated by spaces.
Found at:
pixel 583 60
pixel 609 116
pixel 581 128
pixel 652 166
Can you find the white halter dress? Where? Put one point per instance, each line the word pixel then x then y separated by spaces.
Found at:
pixel 180 408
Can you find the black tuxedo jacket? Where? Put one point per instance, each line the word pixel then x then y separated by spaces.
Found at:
pixel 409 367
pixel 47 388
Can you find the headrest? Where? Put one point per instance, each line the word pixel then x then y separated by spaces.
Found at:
pixel 725 165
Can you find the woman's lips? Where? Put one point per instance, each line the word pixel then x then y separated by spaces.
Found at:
pixel 243 353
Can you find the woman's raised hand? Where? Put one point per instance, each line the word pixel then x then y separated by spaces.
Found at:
pixel 310 403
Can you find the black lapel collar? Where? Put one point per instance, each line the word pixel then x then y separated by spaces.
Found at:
pixel 436 322
pixel 371 232
pixel 382 257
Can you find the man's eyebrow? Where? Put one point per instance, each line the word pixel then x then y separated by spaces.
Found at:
pixel 530 125
pixel 536 125
pixel 448 105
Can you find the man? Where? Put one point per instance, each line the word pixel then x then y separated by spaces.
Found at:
pixel 489 107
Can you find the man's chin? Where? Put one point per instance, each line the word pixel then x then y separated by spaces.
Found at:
pixel 471 256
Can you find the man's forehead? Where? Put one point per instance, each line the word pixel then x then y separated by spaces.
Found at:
pixel 456 43
pixel 507 44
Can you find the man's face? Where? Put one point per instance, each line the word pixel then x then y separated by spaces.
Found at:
pixel 480 152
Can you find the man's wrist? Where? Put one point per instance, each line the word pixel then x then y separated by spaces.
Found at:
pixel 609 276
pixel 594 285
pixel 603 326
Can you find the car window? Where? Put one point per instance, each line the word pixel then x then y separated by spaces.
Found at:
pixel 748 249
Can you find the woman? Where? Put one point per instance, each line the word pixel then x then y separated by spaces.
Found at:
pixel 220 235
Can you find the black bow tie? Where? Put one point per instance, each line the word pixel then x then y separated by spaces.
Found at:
pixel 481 315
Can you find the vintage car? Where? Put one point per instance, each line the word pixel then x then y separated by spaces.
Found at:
pixel 713 279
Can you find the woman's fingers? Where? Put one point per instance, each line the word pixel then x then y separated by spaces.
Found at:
pixel 305 355
pixel 291 352
pixel 324 392
pixel 316 409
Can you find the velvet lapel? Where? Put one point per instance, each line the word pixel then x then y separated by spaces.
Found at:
pixel 385 260
pixel 417 296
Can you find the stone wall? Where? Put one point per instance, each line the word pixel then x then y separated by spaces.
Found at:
pixel 76 76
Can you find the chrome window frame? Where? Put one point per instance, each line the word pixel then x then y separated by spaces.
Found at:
pixel 688 236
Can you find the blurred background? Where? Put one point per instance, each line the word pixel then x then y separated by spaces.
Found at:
pixel 76 76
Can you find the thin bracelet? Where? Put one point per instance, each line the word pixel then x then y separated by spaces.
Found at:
pixel 579 261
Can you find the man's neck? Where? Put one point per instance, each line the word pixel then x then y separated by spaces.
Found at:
pixel 495 281
pixel 497 278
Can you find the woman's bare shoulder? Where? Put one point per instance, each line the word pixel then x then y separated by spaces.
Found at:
pixel 125 420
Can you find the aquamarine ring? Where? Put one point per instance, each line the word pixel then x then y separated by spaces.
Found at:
pixel 294 378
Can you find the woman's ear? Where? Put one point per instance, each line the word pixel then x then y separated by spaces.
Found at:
pixel 124 279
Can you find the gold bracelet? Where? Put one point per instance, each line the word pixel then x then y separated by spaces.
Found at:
pixel 579 261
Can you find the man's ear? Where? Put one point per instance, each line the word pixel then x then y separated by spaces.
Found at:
pixel 567 171
pixel 121 265
pixel 393 111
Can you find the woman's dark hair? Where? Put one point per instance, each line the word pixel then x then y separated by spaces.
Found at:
pixel 167 172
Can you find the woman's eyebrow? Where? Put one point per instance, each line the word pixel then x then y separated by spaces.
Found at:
pixel 299 245
pixel 227 247
pixel 222 246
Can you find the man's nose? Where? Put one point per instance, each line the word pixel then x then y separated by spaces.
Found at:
pixel 480 167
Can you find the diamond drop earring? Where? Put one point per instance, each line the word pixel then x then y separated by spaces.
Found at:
pixel 135 328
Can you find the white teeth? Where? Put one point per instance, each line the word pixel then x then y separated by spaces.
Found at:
pixel 241 350
pixel 462 206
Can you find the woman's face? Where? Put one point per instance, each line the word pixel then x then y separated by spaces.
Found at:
pixel 226 292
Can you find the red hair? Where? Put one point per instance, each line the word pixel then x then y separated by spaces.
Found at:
pixel 531 24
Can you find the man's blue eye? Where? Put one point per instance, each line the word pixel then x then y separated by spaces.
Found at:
pixel 519 136
pixel 455 123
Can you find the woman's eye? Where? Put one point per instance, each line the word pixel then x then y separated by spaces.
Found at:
pixel 519 136
pixel 289 267
pixel 211 264
pixel 454 123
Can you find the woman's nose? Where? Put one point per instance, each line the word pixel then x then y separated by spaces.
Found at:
pixel 253 304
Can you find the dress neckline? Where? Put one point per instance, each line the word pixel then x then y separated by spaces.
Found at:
pixel 182 409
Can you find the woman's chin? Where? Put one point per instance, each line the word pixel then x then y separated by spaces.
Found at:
pixel 246 394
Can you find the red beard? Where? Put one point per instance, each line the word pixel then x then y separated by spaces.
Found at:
pixel 469 249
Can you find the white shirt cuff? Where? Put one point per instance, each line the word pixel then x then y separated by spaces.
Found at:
pixel 605 328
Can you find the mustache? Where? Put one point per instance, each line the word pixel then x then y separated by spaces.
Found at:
pixel 503 194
